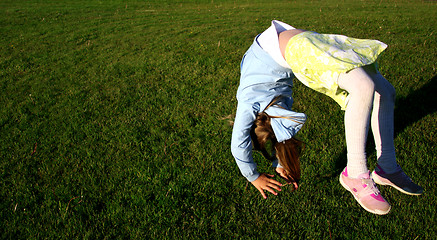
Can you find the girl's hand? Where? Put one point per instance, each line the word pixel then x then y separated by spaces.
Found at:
pixel 265 182
pixel 286 177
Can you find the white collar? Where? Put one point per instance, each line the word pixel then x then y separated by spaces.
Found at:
pixel 269 42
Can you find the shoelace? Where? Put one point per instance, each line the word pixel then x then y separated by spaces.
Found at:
pixel 369 189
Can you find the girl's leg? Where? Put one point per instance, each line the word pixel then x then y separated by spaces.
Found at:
pixel 382 123
pixel 356 177
pixel 387 172
pixel 361 88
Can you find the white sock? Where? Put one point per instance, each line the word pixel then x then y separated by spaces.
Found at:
pixel 361 90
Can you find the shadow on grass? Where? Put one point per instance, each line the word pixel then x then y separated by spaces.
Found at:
pixel 408 110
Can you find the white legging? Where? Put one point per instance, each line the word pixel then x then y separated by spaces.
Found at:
pixel 368 90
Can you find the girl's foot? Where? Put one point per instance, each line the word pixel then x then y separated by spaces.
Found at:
pixel 365 192
pixel 398 180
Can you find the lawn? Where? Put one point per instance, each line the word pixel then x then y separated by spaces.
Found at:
pixel 115 121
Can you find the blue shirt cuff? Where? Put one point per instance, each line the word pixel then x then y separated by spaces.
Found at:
pixel 253 177
pixel 276 164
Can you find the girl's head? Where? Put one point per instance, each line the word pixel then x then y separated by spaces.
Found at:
pixel 287 152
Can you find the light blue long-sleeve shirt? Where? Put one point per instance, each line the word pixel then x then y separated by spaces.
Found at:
pixel 262 79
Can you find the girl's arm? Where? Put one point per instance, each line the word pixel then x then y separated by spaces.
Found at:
pixel 241 147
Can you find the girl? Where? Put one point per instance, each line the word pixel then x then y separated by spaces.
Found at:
pixel 340 67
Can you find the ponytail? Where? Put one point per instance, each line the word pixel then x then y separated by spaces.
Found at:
pixel 264 140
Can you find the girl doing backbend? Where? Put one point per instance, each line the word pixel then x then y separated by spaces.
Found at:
pixel 341 67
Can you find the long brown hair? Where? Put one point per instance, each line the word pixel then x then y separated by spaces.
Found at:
pixel 264 140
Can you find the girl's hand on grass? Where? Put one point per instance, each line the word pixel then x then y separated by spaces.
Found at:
pixel 284 175
pixel 265 182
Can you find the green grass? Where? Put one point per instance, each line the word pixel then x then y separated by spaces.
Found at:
pixel 113 121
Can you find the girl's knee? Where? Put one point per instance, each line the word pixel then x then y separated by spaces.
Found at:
pixel 365 85
pixel 357 81
pixel 385 88
pixel 391 92
pixel 368 85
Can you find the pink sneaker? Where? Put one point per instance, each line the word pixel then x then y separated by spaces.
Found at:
pixel 398 180
pixel 365 192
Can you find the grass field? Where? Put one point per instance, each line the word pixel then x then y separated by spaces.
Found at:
pixel 114 121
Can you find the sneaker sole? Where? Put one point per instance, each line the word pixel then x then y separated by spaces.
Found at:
pixel 379 181
pixel 379 212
